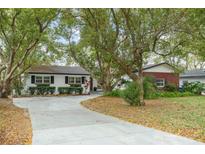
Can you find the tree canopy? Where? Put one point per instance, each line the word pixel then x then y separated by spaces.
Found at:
pixel 22 32
pixel 107 42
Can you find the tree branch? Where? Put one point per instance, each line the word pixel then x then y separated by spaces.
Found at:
pixel 2 69
pixel 21 72
pixel 14 20
pixel 27 52
pixel 116 24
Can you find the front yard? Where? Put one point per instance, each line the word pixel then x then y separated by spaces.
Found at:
pixel 15 124
pixel 183 116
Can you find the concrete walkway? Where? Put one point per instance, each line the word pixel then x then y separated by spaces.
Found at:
pixel 62 120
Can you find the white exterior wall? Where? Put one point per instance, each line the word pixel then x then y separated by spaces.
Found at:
pixel 193 79
pixel 161 68
pixel 59 81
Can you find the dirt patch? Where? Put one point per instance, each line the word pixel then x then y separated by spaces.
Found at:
pixel 15 124
pixel 164 115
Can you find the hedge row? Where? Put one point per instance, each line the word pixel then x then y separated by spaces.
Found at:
pixel 42 90
pixel 70 90
pixel 171 94
pixel 119 93
pixel 46 89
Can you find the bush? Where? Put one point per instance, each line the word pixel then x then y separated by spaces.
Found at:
pixel 32 90
pixel 70 90
pixel 172 94
pixel 170 88
pixel 149 87
pixel 114 93
pixel 131 94
pixel 194 87
pixel 42 90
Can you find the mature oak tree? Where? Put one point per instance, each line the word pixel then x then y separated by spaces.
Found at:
pixel 134 34
pixel 22 31
pixel 86 46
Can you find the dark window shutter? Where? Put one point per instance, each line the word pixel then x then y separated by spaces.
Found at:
pixel 83 80
pixel 32 78
pixel 66 79
pixel 52 79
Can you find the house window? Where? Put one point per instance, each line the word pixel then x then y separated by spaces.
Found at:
pixel 71 80
pixel 160 83
pixel 42 79
pixel 78 80
pixel 46 79
pixel 39 80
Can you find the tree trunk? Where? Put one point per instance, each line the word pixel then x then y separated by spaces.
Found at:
pixel 107 87
pixel 4 89
pixel 140 82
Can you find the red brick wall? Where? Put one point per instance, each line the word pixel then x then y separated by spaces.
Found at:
pixel 172 78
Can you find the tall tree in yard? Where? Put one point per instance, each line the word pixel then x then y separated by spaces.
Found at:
pixel 88 47
pixel 22 32
pixel 95 39
pixel 136 34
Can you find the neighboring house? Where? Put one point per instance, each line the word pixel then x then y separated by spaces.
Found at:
pixel 60 76
pixel 163 73
pixel 197 75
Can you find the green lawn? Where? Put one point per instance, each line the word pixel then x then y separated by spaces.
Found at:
pixel 192 111
pixel 182 115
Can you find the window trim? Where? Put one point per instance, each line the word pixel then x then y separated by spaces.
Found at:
pixel 162 79
pixel 80 80
pixel 69 80
pixel 48 79
pixel 38 79
pixel 74 80
pixel 42 80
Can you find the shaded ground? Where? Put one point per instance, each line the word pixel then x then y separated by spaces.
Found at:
pixel 181 116
pixel 15 124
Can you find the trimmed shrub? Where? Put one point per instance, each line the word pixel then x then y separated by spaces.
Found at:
pixel 42 90
pixel 32 90
pixel 70 90
pixel 114 93
pixel 52 90
pixel 170 87
pixel 131 94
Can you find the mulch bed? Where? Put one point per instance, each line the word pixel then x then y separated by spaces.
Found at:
pixel 15 124
pixel 160 114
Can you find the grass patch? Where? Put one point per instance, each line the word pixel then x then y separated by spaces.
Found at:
pixel 15 124
pixel 183 116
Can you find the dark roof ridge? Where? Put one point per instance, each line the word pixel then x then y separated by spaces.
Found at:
pixel 57 69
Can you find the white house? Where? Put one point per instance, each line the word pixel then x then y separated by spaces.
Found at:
pixel 197 75
pixel 60 76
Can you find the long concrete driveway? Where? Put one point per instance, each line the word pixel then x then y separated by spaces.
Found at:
pixel 62 120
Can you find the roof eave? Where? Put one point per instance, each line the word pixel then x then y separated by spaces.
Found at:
pixel 59 73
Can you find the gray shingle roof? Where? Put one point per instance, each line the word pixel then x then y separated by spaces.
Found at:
pixel 193 73
pixel 75 70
